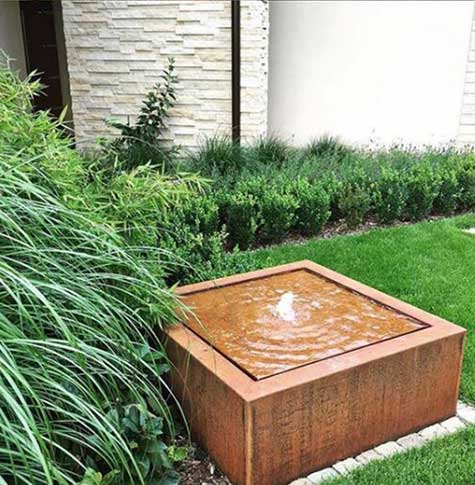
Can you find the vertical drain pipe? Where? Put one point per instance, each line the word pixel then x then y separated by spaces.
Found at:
pixel 236 68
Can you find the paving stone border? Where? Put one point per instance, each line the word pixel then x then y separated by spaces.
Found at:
pixel 465 416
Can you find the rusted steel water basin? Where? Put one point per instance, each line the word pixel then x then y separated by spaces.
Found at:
pixel 289 369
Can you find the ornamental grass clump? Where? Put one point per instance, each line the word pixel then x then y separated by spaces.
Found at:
pixel 217 156
pixel 82 391
pixel 78 345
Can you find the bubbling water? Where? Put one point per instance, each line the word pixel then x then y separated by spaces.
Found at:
pixel 284 308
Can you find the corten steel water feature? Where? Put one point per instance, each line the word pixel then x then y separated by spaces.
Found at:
pixel 287 370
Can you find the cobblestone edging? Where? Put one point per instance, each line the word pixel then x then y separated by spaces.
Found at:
pixel 465 416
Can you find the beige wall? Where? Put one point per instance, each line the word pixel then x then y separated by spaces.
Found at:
pixel 466 133
pixel 11 39
pixel 254 68
pixel 368 71
pixel 117 49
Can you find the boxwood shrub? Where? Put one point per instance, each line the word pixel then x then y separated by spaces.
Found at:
pixel 447 199
pixel 354 202
pixel 312 206
pixel 273 192
pixel 465 173
pixel 276 215
pixel 241 219
pixel 423 186
pixel 265 191
pixel 389 196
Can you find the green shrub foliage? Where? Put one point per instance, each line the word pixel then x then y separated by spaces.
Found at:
pixel 193 234
pixel 389 196
pixel 422 188
pixel 266 191
pixel 448 195
pixel 312 206
pixel 84 398
pixel 354 202
pixel 277 214
pixel 217 156
pixel 270 151
pixel 334 188
pixel 241 220
pixel 465 173
pixel 327 146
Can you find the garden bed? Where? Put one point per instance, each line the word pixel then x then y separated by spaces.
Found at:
pixel 89 246
pixel 265 193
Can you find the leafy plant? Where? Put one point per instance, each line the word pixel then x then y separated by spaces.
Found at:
pixel 466 181
pixel 142 142
pixel 132 202
pixel 217 156
pixel 199 213
pixel 354 202
pixel 327 146
pixel 39 140
pixel 202 257
pixel 76 307
pixel 192 234
pixel 447 198
pixel 92 477
pixel 333 186
pixel 144 432
pixel 422 188
pixel 269 150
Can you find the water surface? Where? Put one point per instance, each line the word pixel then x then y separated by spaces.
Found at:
pixel 273 324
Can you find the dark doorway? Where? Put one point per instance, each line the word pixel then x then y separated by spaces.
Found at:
pixel 41 52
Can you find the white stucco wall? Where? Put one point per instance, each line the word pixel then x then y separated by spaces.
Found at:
pixel 368 71
pixel 11 39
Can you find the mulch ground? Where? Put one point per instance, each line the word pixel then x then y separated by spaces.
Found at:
pixel 339 228
pixel 199 469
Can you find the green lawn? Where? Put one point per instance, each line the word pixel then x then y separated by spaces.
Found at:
pixel 446 461
pixel 430 265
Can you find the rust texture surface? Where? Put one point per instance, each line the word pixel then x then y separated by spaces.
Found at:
pixel 215 412
pixel 273 324
pixel 312 426
pixel 394 375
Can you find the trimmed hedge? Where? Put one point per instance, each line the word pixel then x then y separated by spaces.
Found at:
pixel 273 191
pixel 266 192
pixel 270 206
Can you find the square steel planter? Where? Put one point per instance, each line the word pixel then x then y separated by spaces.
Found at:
pixel 374 375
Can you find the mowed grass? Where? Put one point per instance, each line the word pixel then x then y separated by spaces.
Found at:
pixel 430 265
pixel 446 461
